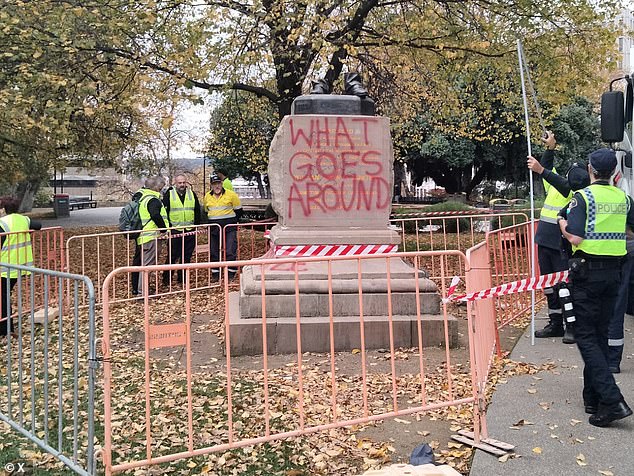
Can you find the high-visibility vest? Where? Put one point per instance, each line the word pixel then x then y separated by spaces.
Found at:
pixel 16 248
pixel 221 207
pixel 181 214
pixel 553 203
pixel 606 216
pixel 149 230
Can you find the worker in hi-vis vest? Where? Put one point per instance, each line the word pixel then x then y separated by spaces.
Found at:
pixel 15 239
pixel 153 222
pixel 223 208
pixel 548 240
pixel 183 211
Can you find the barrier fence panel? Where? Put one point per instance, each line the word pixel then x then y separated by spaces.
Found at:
pixel 484 327
pixel 96 255
pixel 438 231
pixel 251 239
pixel 48 365
pixel 174 389
pixel 47 247
pixel 511 256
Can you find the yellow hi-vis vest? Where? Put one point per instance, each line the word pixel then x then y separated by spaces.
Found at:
pixel 181 214
pixel 17 244
pixel 553 203
pixel 222 207
pixel 149 228
pixel 606 216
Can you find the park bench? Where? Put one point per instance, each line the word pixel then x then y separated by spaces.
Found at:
pixel 81 202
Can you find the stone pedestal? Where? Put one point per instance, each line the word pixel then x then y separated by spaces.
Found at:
pixel 330 169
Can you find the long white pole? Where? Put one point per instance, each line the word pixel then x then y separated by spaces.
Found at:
pixel 520 56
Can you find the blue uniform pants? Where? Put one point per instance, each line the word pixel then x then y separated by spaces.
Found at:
pixel 593 298
pixel 551 261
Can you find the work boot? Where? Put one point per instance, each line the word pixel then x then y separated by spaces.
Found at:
pixel 551 330
pixel 607 415
pixel 353 86
pixel 320 86
pixel 569 335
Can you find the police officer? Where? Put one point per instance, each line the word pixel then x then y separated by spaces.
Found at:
pixel 183 211
pixel 548 239
pixel 153 218
pixel 223 208
pixel 596 227
pixel 16 249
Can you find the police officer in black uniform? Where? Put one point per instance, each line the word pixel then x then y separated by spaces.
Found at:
pixel 596 223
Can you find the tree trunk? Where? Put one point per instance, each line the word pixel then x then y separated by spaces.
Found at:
pixel 258 179
pixel 477 179
pixel 399 178
pixel 26 194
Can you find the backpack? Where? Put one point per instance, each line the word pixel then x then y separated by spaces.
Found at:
pixel 129 218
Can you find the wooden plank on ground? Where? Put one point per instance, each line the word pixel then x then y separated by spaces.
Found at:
pixel 481 446
pixel 489 441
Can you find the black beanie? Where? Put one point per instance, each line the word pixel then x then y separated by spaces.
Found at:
pixel 578 177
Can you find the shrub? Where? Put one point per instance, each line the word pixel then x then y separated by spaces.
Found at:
pixel 43 197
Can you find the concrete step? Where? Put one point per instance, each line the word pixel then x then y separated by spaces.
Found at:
pixel 246 333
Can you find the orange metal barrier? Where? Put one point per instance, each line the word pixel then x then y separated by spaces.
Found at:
pixel 511 255
pixel 47 246
pixel 216 402
pixel 453 232
pixel 96 255
pixel 252 242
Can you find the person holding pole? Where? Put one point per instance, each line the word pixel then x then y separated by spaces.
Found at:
pixel 595 225
pixel 548 238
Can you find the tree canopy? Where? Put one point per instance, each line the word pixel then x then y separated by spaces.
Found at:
pixel 77 76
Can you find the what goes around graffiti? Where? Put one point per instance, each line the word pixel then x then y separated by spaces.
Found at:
pixel 323 182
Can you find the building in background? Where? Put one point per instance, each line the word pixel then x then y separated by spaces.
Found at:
pixel 626 41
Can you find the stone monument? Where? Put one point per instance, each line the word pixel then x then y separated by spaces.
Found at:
pixel 330 169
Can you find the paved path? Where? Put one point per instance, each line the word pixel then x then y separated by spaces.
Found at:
pixel 559 425
pixel 105 216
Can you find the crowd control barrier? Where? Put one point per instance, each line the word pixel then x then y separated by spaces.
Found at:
pixel 48 365
pixel 96 255
pixel 438 231
pixel 47 247
pixel 511 256
pixel 164 381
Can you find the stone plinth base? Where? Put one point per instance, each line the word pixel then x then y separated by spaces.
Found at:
pixel 348 278
pixel 246 332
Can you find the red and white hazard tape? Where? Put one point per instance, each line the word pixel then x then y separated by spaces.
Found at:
pixel 529 284
pixel 480 211
pixel 175 234
pixel 332 250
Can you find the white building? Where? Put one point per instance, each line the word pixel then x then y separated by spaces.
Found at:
pixel 625 41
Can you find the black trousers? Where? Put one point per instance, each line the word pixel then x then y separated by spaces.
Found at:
pixel 593 298
pixel 180 249
pixel 231 246
pixel 551 261
pixel 7 285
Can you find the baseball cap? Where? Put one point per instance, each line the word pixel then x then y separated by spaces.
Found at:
pixel 603 160
pixel 214 178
